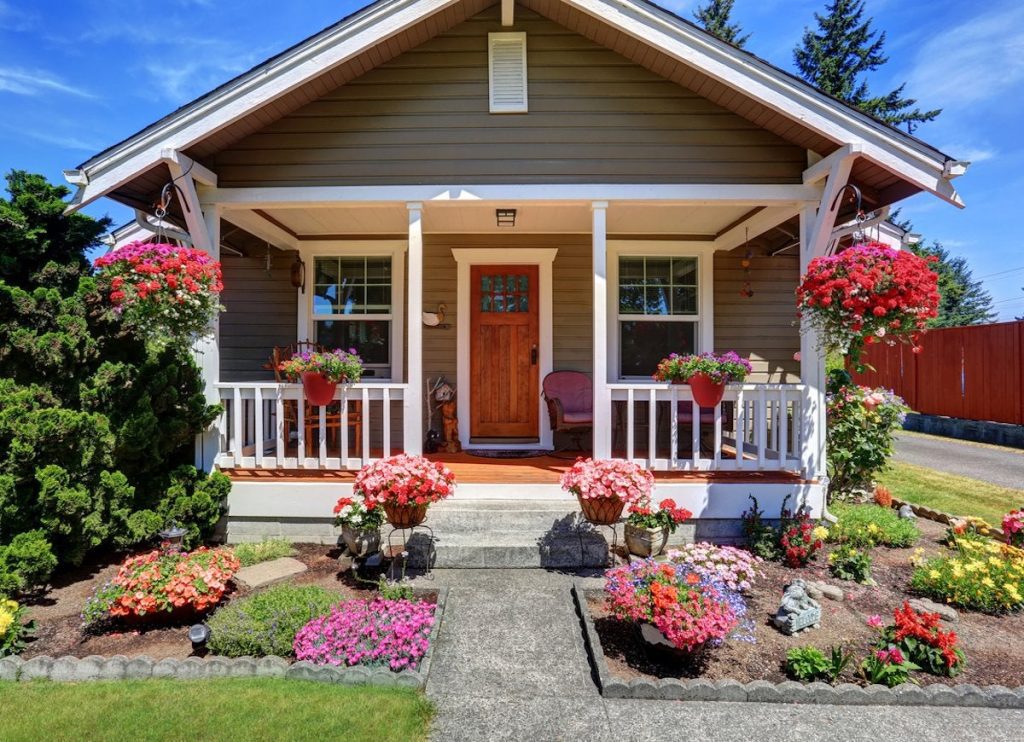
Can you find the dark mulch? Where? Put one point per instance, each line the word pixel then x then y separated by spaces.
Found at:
pixel 57 612
pixel 995 652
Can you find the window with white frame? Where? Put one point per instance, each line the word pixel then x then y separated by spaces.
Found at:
pixel 352 308
pixel 658 310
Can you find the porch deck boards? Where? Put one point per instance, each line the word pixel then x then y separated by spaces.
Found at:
pixel 470 469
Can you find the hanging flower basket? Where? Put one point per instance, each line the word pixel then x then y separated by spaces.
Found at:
pixel 867 294
pixel 605 487
pixel 322 371
pixel 706 391
pixel 164 291
pixel 404 486
pixel 318 388
pixel 707 373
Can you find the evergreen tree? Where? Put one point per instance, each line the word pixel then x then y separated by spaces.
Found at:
pixel 965 301
pixel 837 58
pixel 714 17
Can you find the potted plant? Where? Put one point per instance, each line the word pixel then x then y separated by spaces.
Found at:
pixel 707 373
pixel 675 607
pixel 360 526
pixel 647 529
pixel 868 293
pixel 404 486
pixel 322 371
pixel 604 487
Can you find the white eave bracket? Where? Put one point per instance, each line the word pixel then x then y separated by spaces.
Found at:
pixel 508 13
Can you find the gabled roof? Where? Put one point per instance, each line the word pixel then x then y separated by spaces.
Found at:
pixel 895 163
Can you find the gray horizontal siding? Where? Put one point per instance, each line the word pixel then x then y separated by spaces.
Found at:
pixel 594 116
pixel 261 313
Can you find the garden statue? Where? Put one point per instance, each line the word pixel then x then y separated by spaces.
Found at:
pixel 798 610
pixel 444 393
pixel 906 512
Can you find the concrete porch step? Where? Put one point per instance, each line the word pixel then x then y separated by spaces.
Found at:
pixel 509 550
pixel 474 516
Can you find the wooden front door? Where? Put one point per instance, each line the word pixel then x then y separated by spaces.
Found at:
pixel 504 331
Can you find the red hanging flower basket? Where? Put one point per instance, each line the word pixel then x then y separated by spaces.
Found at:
pixel 706 391
pixel 318 388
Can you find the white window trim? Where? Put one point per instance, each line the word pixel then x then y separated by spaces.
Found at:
pixel 703 252
pixel 394 249
pixel 465 258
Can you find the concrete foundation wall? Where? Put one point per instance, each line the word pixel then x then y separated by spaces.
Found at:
pixel 980 431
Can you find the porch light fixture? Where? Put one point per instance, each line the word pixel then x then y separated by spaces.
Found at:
pixel 505 217
pixel 298 274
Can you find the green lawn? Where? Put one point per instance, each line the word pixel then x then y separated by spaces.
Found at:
pixel 242 709
pixel 950 493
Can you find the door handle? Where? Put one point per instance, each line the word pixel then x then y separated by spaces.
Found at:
pixel 533 356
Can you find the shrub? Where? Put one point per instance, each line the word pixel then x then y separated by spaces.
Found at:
pixel 870 525
pixel 918 636
pixel 691 609
pixel 737 568
pixel 376 633
pixel 983 575
pixel 762 538
pixel 810 663
pixel 262 551
pixel 28 562
pixel 883 497
pixel 799 542
pixel 14 630
pixel 847 563
pixel 266 623
pixel 859 432
pixel 162 582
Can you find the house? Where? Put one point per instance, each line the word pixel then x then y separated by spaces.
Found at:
pixel 579 185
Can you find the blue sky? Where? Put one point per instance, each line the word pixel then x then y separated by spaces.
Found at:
pixel 79 75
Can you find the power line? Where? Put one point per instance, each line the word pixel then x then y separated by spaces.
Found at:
pixel 1000 273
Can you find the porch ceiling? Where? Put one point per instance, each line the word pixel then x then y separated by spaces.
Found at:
pixel 699 222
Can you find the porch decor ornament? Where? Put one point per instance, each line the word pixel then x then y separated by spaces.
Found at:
pixel 647 529
pixel 164 291
pixel 605 486
pixel 867 294
pixel 707 373
pixel 360 526
pixel 322 371
pixel 797 611
pixel 404 486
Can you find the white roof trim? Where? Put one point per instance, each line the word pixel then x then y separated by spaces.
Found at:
pixel 902 155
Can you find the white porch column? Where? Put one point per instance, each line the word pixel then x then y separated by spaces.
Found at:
pixel 412 425
pixel 602 396
pixel 207 352
pixel 812 368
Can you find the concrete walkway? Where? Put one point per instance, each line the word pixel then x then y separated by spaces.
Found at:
pixel 510 665
pixel 1000 466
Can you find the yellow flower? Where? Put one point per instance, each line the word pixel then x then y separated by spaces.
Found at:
pixel 995 562
pixel 934 574
pixel 987 582
pixel 872 527
pixel 820 533
pixel 6 619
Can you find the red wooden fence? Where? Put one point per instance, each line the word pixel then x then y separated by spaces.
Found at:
pixel 975 373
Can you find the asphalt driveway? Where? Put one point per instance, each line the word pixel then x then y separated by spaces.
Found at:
pixel 998 465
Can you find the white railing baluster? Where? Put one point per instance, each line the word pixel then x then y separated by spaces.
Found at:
pixel 652 428
pixel 762 427
pixel 366 426
pixel 280 434
pixel 258 424
pixel 673 454
pixel 783 428
pixel 321 453
pixel 385 421
pixel 236 426
pixel 629 424
pixel 344 428
pixel 695 435
pixel 300 425
pixel 741 427
pixel 716 441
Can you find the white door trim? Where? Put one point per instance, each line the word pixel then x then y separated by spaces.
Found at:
pixel 544 259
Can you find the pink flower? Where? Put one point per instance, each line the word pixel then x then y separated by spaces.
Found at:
pixel 875 621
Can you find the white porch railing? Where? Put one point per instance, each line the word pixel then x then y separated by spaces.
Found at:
pixel 265 425
pixel 756 427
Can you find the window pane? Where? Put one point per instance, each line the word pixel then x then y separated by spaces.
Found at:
pixel 378 300
pixel 684 300
pixel 684 271
pixel 658 271
pixel 378 270
pixel 352 285
pixel 370 338
pixel 353 270
pixel 631 270
pixel 657 301
pixel 326 270
pixel 631 300
pixel 643 344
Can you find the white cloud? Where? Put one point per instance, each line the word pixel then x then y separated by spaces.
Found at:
pixel 69 141
pixel 972 153
pixel 972 62
pixel 202 65
pixel 36 82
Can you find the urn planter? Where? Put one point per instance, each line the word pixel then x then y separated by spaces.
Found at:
pixel 646 542
pixel 361 542
pixel 706 391
pixel 318 388
pixel 601 511
pixel 409 515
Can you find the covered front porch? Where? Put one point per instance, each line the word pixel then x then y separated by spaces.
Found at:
pixel 593 293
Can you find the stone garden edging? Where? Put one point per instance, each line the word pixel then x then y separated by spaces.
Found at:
pixel 119 667
pixel 944 518
pixel 790 691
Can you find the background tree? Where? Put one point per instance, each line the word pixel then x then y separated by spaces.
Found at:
pixel 96 426
pixel 715 16
pixel 965 301
pixel 838 57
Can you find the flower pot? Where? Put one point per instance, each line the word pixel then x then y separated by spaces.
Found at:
pixel 646 542
pixel 361 542
pixel 601 511
pixel 319 390
pixel 706 392
pixel 657 643
pixel 405 516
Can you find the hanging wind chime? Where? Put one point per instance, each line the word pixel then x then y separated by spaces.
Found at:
pixel 748 290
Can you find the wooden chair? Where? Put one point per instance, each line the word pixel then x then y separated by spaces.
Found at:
pixel 570 399
pixel 311 413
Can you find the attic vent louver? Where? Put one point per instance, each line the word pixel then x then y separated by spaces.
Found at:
pixel 507 67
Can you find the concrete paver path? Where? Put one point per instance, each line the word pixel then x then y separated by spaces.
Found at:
pixel 995 464
pixel 510 665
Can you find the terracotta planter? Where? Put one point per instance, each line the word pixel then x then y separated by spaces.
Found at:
pixel 361 542
pixel 405 516
pixel 646 542
pixel 602 511
pixel 706 392
pixel 319 391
